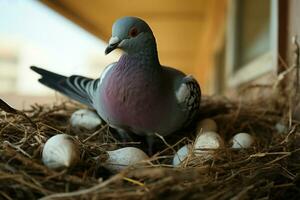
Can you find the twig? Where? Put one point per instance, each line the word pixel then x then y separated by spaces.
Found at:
pixel 18 148
pixel 279 158
pixel 5 195
pixel 85 191
pixel 165 142
pixel 51 127
pixel 95 133
pixel 168 147
pixel 7 108
pixel 134 181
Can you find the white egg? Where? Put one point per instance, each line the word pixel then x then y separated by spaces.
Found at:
pixel 208 140
pixel 86 119
pixel 122 158
pixel 60 151
pixel 206 125
pixel 181 154
pixel 206 143
pixel 242 140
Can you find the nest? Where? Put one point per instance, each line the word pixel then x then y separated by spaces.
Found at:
pixel 267 170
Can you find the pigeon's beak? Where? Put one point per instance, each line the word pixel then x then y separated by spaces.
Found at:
pixel 112 45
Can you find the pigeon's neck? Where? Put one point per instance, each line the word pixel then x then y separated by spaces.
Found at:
pixel 142 61
pixel 146 54
pixel 147 57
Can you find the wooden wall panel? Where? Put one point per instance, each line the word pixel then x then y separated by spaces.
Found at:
pixel 210 43
pixel 293 28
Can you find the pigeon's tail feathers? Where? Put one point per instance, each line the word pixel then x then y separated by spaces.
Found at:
pixel 76 87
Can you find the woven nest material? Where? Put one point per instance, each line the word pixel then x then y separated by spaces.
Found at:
pixel 267 170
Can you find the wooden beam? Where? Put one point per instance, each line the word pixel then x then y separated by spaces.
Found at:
pixel 64 10
pixel 283 40
pixel 171 16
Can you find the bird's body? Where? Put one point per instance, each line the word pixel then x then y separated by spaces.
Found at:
pixel 142 102
pixel 135 94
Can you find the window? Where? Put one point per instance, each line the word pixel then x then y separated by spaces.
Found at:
pixel 251 46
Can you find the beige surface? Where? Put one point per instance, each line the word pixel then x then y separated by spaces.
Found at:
pixel 23 102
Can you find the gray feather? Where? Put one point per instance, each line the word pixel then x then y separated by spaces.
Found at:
pixel 76 87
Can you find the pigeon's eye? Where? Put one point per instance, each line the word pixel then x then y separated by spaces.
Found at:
pixel 133 32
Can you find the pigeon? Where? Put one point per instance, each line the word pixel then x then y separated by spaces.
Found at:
pixel 136 94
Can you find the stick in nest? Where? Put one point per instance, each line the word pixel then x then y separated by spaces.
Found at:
pixel 7 108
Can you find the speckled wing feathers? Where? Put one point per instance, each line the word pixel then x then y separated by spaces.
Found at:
pixel 188 96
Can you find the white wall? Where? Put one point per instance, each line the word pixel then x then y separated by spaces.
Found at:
pixel 41 37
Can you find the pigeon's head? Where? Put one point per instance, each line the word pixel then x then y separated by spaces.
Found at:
pixel 131 34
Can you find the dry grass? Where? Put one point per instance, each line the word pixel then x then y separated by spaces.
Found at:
pixel 268 170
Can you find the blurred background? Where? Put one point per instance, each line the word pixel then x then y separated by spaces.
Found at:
pixel 225 44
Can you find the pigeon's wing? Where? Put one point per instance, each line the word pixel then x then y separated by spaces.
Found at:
pixel 76 87
pixel 188 95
